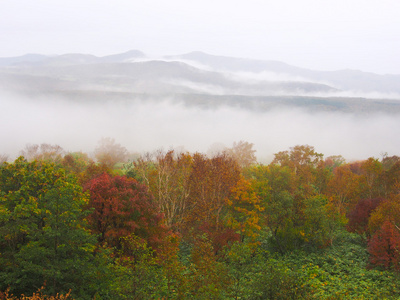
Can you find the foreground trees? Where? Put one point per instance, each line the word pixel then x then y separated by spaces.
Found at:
pixel 177 225
pixel 43 235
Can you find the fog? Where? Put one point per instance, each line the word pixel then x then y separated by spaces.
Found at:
pixel 257 79
pixel 146 126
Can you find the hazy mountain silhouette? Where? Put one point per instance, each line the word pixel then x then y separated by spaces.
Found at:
pixel 69 59
pixel 195 78
pixel 149 77
pixel 27 58
pixel 352 80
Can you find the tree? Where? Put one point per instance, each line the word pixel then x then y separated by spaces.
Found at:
pixel 390 178
pixel 318 225
pixel 343 189
pixel 174 271
pixel 109 153
pixel 122 206
pixel 211 183
pixel 298 156
pixel 240 260
pixel 76 162
pixel 387 210
pixel 3 158
pixel 245 209
pixel 303 161
pixel 36 296
pixel 334 161
pixel 276 280
pixel 243 153
pixel 208 278
pixel 79 164
pixel 384 247
pixel 44 152
pixel 371 170
pixel 43 233
pixel 168 180
pixel 275 187
pixel 138 272
pixel 360 214
pixel 389 161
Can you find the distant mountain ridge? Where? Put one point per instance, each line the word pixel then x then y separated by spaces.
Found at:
pixel 68 59
pixel 197 78
pixel 353 80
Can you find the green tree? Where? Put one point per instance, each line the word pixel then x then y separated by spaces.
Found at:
pixel 276 280
pixel 43 239
pixel 240 261
pixel 138 272
pixel 319 226
pixel 305 163
pixel 208 278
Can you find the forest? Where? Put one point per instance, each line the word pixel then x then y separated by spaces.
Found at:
pixel 180 225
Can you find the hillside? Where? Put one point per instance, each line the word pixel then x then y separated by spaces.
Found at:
pixel 198 79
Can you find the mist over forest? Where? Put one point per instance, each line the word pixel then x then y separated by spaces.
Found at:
pixel 193 102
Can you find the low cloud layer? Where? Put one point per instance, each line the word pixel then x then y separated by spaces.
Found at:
pixel 146 126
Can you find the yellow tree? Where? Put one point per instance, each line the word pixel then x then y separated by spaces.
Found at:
pixel 245 209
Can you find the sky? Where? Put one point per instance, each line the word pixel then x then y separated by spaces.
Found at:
pixel 314 34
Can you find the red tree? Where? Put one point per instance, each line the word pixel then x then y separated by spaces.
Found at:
pixel 122 206
pixel 384 247
pixel 359 215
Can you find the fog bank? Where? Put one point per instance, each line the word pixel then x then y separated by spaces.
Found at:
pixel 146 126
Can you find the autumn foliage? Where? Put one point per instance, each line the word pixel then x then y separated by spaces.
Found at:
pixel 180 225
pixel 122 206
pixel 359 215
pixel 384 247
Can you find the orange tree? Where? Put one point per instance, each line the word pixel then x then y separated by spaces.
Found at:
pixel 343 189
pixel 211 184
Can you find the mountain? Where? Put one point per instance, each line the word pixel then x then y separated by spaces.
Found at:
pixel 233 64
pixel 27 58
pixel 147 77
pixel 349 80
pixel 68 59
pixel 196 79
pixel 123 57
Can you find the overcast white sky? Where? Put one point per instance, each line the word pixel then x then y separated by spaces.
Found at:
pixel 324 35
